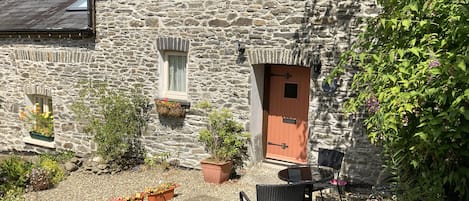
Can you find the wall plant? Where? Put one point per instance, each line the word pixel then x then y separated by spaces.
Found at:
pixel 412 84
pixel 115 119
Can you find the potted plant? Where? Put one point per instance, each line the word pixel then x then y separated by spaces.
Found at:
pixel 136 197
pixel 168 108
pixel 41 123
pixel 224 139
pixel 162 192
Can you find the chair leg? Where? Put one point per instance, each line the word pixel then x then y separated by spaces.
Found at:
pixel 243 196
pixel 339 191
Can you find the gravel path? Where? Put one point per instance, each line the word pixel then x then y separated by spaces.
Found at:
pixel 80 186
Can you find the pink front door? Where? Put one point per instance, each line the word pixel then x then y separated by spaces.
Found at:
pixel 287 121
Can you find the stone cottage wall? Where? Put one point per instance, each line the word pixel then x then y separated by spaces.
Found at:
pixel 125 53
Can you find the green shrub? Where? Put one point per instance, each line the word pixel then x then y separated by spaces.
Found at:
pixel 412 81
pixel 55 171
pixel 224 137
pixel 14 194
pixel 116 120
pixel 14 173
pixel 60 157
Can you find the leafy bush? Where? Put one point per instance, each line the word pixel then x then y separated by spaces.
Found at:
pixel 56 172
pixel 60 157
pixel 413 84
pixel 14 194
pixel 115 119
pixel 39 179
pixel 224 138
pixel 14 173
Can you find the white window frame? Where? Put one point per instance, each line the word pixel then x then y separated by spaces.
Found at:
pixel 165 92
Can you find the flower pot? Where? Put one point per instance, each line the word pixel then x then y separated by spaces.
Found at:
pixel 39 136
pixel 172 109
pixel 166 195
pixel 216 172
pixel 163 111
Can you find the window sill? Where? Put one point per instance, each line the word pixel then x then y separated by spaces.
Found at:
pixel 41 143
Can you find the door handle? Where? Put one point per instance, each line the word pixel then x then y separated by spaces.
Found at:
pixel 283 145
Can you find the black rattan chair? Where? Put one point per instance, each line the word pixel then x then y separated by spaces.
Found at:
pixel 331 159
pixel 277 192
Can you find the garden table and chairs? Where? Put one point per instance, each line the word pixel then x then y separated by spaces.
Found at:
pixel 303 180
pixel 316 178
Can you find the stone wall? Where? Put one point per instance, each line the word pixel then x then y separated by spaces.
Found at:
pixel 125 52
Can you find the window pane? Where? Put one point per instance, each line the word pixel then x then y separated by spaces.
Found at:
pixel 291 90
pixel 177 73
pixel 40 102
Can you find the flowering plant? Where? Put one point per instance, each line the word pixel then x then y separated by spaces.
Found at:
pixel 168 108
pixel 40 122
pixel 136 197
pixel 161 188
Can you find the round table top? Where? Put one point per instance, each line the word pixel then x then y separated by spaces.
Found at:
pixel 305 174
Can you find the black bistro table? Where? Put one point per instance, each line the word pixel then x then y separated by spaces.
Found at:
pixel 308 175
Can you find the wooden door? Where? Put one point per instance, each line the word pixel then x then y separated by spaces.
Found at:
pixel 287 120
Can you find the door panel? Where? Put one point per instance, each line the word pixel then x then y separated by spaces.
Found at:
pixel 287 121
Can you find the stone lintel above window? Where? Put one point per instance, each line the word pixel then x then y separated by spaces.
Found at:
pixel 37 90
pixel 172 44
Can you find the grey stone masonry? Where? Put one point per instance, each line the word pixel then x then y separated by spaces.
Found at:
pixel 130 38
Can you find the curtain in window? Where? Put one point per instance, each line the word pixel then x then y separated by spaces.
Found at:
pixel 177 73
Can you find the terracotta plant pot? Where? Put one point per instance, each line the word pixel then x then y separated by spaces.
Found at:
pixel 167 195
pixel 216 172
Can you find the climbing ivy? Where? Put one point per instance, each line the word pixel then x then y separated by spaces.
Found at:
pixel 413 84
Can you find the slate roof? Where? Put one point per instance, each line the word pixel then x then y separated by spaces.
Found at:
pixel 41 15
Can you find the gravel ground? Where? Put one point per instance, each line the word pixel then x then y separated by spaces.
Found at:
pixel 82 186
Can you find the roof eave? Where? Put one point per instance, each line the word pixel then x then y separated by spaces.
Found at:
pixel 47 33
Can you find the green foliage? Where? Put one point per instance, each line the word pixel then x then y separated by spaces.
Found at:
pixel 14 173
pixel 116 120
pixel 413 83
pixel 224 137
pixel 160 159
pixel 14 194
pixel 60 157
pixel 56 172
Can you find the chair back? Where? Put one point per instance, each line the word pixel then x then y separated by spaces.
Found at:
pixel 330 158
pixel 280 192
